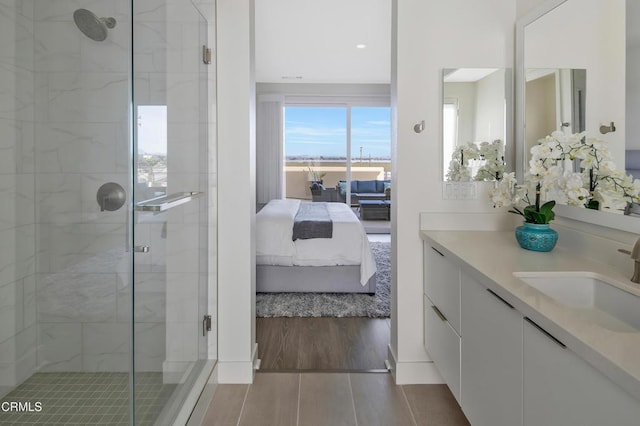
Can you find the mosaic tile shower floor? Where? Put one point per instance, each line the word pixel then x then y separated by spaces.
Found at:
pixel 87 399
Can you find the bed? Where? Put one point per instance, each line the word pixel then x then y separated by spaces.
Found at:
pixel 343 263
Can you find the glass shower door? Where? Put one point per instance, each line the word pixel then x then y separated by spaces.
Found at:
pixel 171 207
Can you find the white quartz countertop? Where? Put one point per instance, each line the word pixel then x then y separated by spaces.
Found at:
pixel 492 257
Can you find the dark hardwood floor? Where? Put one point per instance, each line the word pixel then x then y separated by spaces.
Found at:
pixel 332 344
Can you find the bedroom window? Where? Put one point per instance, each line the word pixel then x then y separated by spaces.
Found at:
pixel 332 143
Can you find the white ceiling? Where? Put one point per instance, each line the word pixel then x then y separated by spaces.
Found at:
pixel 316 40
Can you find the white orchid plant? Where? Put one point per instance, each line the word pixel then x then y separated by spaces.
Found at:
pixel 608 188
pixel 490 154
pixel 550 175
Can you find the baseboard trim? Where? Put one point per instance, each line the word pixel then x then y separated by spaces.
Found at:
pixel 238 372
pixel 413 372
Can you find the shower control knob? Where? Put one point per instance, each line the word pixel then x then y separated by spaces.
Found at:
pixel 111 196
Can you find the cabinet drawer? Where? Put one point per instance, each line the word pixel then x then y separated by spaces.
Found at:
pixel 442 284
pixel 443 345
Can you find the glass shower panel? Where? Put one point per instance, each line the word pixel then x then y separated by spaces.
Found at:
pixel 170 256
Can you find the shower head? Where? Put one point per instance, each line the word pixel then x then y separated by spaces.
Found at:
pixel 93 27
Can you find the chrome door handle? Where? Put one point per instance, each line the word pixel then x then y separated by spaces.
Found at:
pixel 141 249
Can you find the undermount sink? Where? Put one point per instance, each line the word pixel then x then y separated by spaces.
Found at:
pixel 599 299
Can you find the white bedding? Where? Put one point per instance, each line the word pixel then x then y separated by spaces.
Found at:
pixel 349 245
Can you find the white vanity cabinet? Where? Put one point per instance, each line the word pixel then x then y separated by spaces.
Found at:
pixel 442 315
pixel 491 357
pixel 504 368
pixel 560 388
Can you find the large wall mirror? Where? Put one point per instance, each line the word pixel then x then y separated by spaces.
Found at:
pixel 476 117
pixel 577 67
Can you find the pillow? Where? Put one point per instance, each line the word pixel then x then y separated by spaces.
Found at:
pixel 342 186
pixel 354 186
pixel 387 185
pixel 367 186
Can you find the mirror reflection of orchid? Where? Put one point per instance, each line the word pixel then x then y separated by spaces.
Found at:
pixel 597 185
pixel 608 187
pixel 486 158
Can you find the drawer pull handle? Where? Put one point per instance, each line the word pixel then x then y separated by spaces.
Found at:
pixel 438 313
pixel 437 251
pixel 500 298
pixel 546 333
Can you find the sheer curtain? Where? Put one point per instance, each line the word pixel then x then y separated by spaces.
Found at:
pixel 269 146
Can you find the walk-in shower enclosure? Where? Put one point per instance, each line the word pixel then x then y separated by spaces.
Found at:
pixel 107 213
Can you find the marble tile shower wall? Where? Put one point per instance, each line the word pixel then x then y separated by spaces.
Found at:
pixel 17 220
pixel 81 114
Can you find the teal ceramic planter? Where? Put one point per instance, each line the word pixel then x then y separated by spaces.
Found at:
pixel 532 236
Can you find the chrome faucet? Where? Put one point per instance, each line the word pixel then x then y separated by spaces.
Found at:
pixel 635 255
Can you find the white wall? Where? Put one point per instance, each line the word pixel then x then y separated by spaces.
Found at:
pixel 236 191
pixel 432 35
pixel 490 107
pixel 465 94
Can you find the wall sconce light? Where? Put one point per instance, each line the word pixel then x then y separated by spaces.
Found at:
pixel 606 129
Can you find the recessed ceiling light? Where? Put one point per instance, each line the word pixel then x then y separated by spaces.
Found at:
pixel 361 46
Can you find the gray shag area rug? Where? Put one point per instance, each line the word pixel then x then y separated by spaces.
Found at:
pixel 335 304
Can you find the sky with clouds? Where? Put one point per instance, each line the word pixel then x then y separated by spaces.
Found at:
pixel 321 131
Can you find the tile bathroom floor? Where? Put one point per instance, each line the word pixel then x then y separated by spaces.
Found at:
pixel 74 398
pixel 332 399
